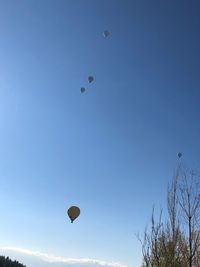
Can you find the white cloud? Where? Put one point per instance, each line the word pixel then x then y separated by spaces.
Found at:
pixel 56 259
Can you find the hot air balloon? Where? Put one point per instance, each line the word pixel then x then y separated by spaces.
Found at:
pixel 106 34
pixel 90 79
pixel 179 154
pixel 82 90
pixel 73 212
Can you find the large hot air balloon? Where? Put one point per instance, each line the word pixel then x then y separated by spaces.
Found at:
pixel 106 34
pixel 90 79
pixel 82 90
pixel 73 212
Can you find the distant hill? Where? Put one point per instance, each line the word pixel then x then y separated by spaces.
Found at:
pixel 7 262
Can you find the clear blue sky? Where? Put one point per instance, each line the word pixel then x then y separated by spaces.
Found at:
pixel 111 151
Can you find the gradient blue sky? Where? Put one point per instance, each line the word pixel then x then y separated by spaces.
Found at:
pixel 111 151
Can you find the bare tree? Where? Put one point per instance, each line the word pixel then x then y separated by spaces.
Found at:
pixel 189 202
pixel 173 222
pixel 151 243
pixel 176 242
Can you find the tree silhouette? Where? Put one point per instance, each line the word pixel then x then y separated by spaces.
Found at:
pixel 7 262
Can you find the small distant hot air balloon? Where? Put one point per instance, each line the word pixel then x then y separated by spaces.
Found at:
pixel 82 90
pixel 90 79
pixel 106 34
pixel 73 212
pixel 179 154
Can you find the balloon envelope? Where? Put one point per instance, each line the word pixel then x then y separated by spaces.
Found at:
pixel 73 212
pixel 82 89
pixel 179 155
pixel 106 34
pixel 90 79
